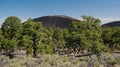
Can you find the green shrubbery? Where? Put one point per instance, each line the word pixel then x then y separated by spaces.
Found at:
pixel 45 49
pixel 84 36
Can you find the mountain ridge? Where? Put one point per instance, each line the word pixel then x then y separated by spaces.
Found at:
pixel 61 21
pixel 112 24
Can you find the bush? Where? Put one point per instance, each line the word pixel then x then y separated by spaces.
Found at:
pixel 45 49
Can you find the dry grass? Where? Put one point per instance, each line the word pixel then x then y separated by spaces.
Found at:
pixel 106 60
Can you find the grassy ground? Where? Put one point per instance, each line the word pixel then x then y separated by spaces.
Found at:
pixel 106 60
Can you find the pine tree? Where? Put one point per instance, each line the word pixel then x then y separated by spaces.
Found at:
pixel 111 37
pixel 86 35
pixel 11 30
pixel 58 39
pixel 34 31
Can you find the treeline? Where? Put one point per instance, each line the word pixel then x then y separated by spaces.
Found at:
pixel 83 36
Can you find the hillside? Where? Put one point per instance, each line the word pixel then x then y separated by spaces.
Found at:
pixel 55 21
pixel 112 24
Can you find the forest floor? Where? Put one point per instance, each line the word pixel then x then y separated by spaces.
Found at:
pixel 47 60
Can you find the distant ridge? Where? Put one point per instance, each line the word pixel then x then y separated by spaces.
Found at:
pixel 112 24
pixel 61 21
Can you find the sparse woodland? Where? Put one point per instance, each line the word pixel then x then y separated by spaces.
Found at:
pixel 82 38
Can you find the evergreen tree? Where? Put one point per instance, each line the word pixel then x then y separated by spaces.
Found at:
pixel 47 41
pixel 34 31
pixel 111 37
pixel 11 30
pixel 12 27
pixel 86 35
pixel 25 43
pixel 1 39
pixel 58 39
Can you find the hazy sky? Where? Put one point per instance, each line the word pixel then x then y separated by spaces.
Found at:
pixel 107 10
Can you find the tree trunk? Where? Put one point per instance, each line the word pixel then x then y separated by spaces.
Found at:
pixel 34 51
pixel 34 46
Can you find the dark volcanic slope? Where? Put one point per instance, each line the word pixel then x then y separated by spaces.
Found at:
pixel 112 24
pixel 55 21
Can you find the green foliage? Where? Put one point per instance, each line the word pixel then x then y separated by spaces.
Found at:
pixel 111 37
pixel 1 38
pixel 11 28
pixel 83 35
pixel 34 31
pixel 86 34
pixel 45 49
pixel 29 50
pixel 47 36
pixel 25 41
pixel 8 45
pixel 58 38
pixel 58 34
